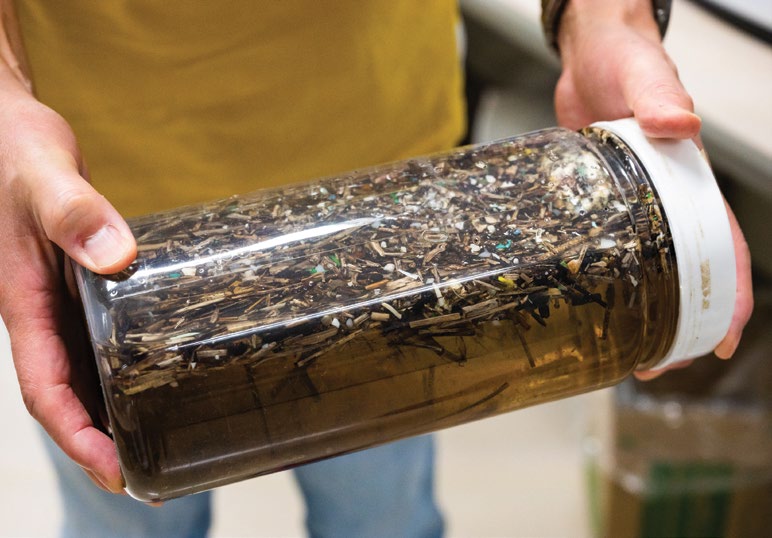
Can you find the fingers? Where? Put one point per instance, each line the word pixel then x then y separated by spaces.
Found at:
pixel 50 360
pixel 744 301
pixel 80 220
pixel 51 400
pixel 648 375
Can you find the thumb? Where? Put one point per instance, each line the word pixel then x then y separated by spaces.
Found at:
pixel 658 100
pixel 80 220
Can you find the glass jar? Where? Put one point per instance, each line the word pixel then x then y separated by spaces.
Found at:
pixel 264 331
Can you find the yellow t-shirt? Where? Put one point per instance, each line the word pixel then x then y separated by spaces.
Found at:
pixel 179 102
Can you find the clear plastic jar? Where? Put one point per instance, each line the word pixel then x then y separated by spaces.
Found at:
pixel 264 331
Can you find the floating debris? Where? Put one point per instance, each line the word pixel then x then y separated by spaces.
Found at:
pixel 497 261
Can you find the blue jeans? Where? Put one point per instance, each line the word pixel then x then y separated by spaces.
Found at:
pixel 385 491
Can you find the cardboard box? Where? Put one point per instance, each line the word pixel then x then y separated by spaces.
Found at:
pixel 689 454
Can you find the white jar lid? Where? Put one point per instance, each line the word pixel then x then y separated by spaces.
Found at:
pixel 702 238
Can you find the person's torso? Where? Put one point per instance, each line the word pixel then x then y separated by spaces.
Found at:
pixel 176 103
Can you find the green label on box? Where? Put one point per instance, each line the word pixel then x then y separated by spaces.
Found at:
pixel 686 499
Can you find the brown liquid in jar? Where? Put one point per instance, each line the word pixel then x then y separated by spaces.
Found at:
pixel 258 333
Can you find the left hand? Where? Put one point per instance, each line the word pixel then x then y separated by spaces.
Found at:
pixel 614 66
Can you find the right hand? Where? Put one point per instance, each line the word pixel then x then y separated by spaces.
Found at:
pixel 619 44
pixel 47 206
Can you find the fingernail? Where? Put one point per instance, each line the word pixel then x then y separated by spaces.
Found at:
pixel 115 485
pixel 106 247
pixel 725 349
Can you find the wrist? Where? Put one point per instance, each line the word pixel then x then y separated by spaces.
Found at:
pixel 564 20
pixel 13 81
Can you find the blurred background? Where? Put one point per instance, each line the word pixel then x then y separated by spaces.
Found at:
pixel 687 455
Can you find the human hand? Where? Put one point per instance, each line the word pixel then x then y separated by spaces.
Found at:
pixel 45 198
pixel 614 66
